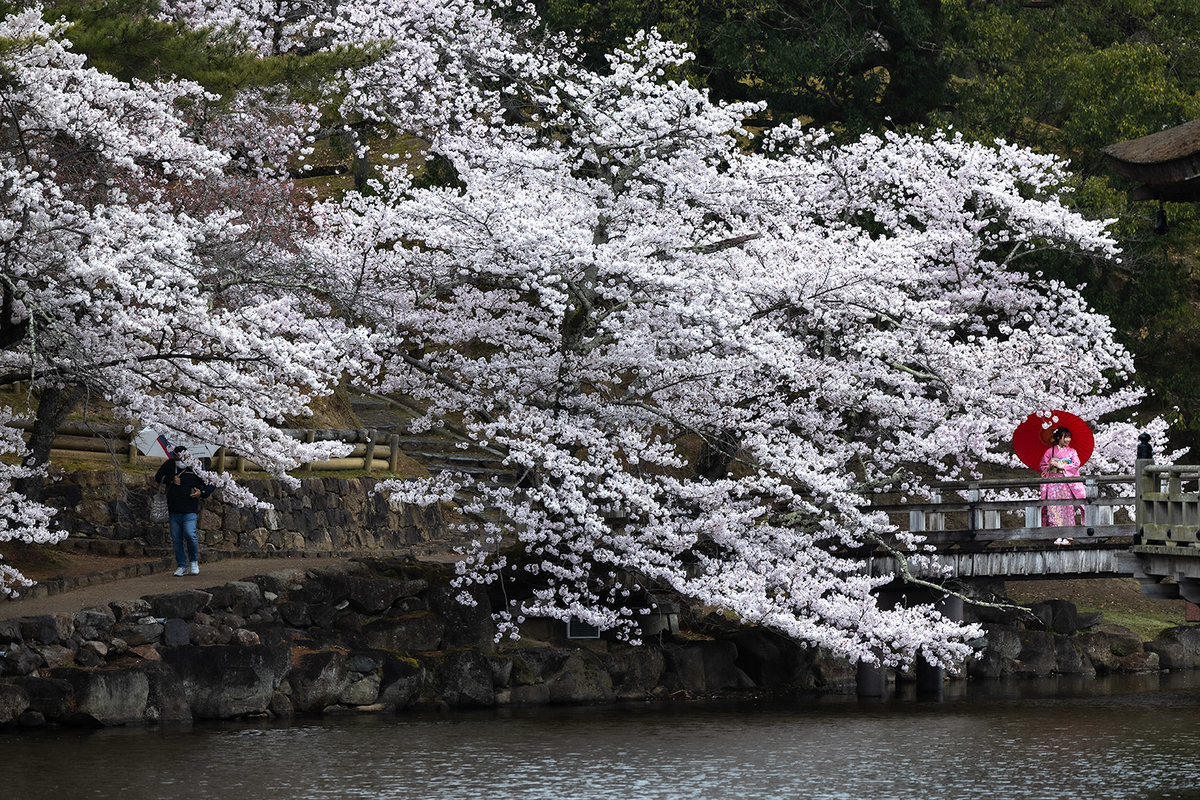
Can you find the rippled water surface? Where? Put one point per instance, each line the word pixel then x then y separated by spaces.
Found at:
pixel 1131 738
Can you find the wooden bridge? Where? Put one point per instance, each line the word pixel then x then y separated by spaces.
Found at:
pixel 1144 526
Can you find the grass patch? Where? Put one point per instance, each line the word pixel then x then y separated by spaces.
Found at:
pixel 1147 625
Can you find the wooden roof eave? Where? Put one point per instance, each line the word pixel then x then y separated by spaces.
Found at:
pixel 1166 157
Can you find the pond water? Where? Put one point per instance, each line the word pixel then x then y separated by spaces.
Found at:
pixel 1135 737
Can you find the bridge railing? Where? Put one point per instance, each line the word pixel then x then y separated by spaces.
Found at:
pixel 972 517
pixel 1168 505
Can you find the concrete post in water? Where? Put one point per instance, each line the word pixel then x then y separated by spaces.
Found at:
pixel 871 679
pixel 930 678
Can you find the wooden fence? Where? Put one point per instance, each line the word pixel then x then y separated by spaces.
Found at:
pixel 109 443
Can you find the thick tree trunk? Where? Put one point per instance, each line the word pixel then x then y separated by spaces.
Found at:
pixel 54 404
pixel 716 454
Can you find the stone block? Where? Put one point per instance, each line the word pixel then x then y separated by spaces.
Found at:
pixel 138 633
pixel 180 605
pixel 175 633
pixel 94 623
pixel 130 609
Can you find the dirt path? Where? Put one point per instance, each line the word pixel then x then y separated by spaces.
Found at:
pixel 211 574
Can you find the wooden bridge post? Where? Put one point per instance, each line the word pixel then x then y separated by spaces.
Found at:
pixel 369 459
pixel 1091 491
pixel 1143 484
pixel 976 517
pixel 936 520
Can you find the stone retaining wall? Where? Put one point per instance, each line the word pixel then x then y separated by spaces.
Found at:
pixel 386 635
pixel 359 640
pixel 321 515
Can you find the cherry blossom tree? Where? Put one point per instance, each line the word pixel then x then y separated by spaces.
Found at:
pixel 703 361
pixel 127 272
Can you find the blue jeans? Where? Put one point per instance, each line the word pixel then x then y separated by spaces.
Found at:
pixel 183 536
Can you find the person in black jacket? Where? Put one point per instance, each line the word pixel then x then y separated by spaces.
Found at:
pixel 185 490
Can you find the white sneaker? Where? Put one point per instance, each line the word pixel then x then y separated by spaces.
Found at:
pixel 195 568
pixel 179 573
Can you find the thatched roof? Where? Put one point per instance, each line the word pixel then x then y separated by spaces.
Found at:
pixel 1160 159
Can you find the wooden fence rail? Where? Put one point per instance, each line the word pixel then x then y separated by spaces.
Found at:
pixel 103 442
pixel 976 519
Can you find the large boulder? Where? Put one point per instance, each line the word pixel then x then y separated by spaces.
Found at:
pixel 318 680
pixel 414 633
pixel 53 698
pixel 374 595
pixel 130 609
pixel 463 678
pixel 46 628
pixel 1038 656
pixel 634 671
pixel 400 680
pixel 769 659
pixel 534 664
pixel 166 701
pixel 830 670
pixel 1069 659
pixel 1057 616
pixel 582 679
pixel 224 681
pixel 106 697
pixel 466 625
pixel 720 671
pixel 14 701
pixel 361 692
pixel 1186 636
pixel 21 659
pixel 1001 647
pixel 1172 654
pixel 687 664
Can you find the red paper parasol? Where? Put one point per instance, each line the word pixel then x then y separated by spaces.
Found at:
pixel 1032 437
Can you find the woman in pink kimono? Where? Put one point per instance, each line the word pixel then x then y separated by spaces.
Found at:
pixel 1060 460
